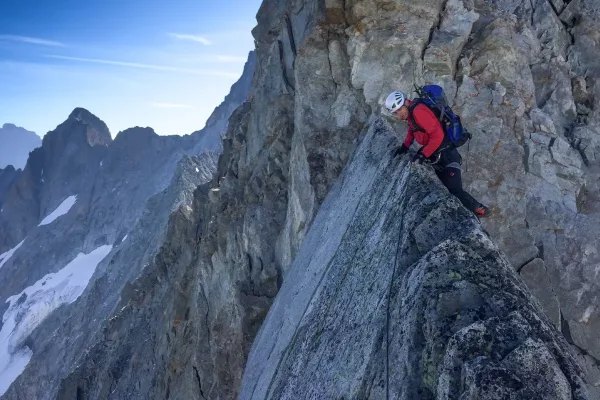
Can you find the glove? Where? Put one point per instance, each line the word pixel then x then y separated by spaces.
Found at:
pixel 419 158
pixel 400 151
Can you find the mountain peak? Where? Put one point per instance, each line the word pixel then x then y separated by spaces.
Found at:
pixel 97 131
pixel 15 145
pixel 137 134
pixel 10 126
pixel 80 112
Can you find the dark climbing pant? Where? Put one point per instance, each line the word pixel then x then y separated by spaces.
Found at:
pixel 449 172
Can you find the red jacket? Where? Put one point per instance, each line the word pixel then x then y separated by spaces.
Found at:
pixel 433 136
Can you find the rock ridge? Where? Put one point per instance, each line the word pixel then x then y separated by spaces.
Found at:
pixel 397 292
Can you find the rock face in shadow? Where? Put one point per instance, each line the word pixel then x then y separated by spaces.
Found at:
pixel 8 176
pixel 398 292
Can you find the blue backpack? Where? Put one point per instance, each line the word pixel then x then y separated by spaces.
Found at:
pixel 434 98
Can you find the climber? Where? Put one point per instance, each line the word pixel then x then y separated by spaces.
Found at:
pixel 437 148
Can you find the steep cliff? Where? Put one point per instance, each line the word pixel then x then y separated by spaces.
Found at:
pixel 524 78
pixel 8 176
pixel 398 292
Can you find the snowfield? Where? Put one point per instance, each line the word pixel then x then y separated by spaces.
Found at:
pixel 5 256
pixel 30 307
pixel 62 209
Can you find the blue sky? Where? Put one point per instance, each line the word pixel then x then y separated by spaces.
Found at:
pixel 158 63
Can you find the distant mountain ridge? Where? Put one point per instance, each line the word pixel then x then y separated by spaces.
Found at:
pixel 15 145
pixel 80 222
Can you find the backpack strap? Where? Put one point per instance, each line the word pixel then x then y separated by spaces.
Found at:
pixel 413 121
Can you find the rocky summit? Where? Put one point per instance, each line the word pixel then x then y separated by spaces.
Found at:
pixel 306 262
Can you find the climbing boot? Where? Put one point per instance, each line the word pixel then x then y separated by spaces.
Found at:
pixel 482 211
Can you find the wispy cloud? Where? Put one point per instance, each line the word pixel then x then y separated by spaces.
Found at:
pixel 230 59
pixel 170 105
pixel 31 40
pixel 193 38
pixel 154 67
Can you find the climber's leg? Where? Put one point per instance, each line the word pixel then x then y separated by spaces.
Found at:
pixel 451 178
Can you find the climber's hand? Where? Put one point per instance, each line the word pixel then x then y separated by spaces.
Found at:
pixel 418 158
pixel 399 151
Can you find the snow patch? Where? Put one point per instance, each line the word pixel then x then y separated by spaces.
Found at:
pixel 5 256
pixel 587 314
pixel 596 271
pixel 197 170
pixel 124 237
pixel 61 210
pixel 30 307
pixel 101 162
pixel 582 291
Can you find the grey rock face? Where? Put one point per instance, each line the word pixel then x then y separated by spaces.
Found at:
pixel 8 176
pixel 535 276
pixel 397 292
pixel 15 145
pixel 126 303
pixel 547 208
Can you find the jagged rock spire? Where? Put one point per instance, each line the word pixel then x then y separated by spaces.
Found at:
pixel 97 132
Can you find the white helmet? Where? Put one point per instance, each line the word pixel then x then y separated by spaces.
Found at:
pixel 394 101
